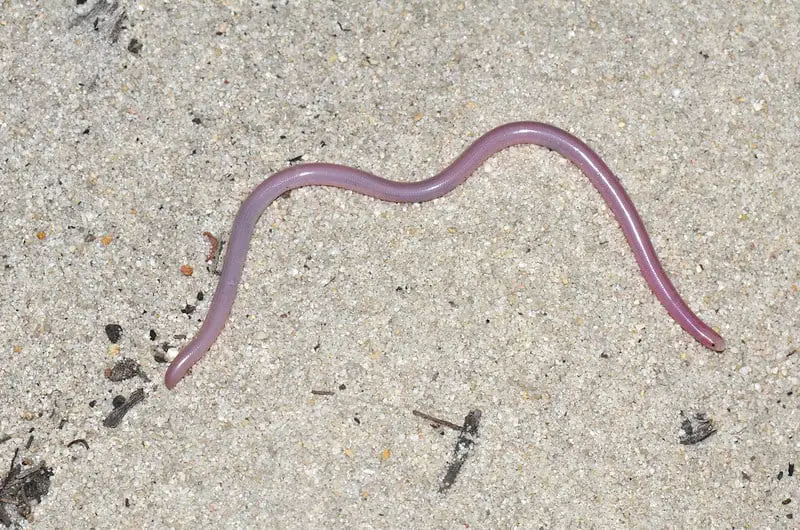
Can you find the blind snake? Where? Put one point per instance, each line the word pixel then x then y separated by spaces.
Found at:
pixel 348 178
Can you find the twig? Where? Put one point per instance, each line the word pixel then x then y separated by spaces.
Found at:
pixel 79 441
pixel 469 433
pixel 115 416
pixel 436 420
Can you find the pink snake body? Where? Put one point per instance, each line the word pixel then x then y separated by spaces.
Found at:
pixel 432 188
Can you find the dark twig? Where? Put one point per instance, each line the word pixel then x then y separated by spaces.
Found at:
pixel 115 416
pixel 436 420
pixel 79 441
pixel 469 433
pixel 10 471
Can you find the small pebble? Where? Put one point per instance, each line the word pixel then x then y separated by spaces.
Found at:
pixel 114 332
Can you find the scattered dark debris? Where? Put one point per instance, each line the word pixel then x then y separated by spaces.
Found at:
pixel 436 421
pixel 116 29
pixel 188 309
pixel 161 352
pixel 294 159
pixel 153 334
pixel 118 400
pixel 786 501
pixel 114 332
pixel 342 387
pixel 124 369
pixel 79 441
pixel 160 355
pixel 114 418
pixel 135 46
pixel 4 438
pixel 791 469
pixel 323 392
pixel 696 429
pixel 21 490
pixel 104 15
pixel 467 438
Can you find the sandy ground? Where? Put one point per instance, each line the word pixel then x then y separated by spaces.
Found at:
pixel 129 129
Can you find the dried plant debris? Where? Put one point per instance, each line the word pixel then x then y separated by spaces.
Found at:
pixel 104 15
pixel 79 441
pixel 125 369
pixel 696 428
pixel 122 407
pixel 790 471
pixel 436 423
pixel 21 489
pixel 467 438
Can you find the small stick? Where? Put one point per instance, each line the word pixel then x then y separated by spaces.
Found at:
pixel 11 473
pixel 79 441
pixel 469 433
pixel 436 420
pixel 115 416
